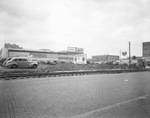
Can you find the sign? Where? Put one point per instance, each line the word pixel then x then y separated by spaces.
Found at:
pixel 71 49
pixel 79 50
pixel 75 49
pixel 80 59
pixel 124 53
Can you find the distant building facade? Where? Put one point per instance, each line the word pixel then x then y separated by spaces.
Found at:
pixel 103 58
pixel 146 49
pixel 39 54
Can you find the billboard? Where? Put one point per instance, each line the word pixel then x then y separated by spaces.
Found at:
pixel 71 49
pixel 75 49
pixel 80 59
pixel 79 50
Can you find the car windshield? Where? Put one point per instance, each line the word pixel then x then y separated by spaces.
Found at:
pixel 8 59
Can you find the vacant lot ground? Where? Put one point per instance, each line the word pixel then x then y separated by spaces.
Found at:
pixel 65 67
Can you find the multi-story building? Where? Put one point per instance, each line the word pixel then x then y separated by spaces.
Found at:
pixel 146 49
pixel 103 58
pixel 146 53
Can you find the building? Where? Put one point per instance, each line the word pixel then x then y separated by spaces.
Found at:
pixel 104 58
pixel 146 53
pixel 39 54
pixel 146 49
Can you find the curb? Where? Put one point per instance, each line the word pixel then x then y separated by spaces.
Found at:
pixel 8 76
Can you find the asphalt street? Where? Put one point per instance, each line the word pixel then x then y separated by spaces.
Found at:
pixel 125 95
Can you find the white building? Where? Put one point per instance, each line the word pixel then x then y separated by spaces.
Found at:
pixel 40 54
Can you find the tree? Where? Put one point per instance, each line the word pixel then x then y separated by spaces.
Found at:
pixel 134 57
pixel 8 45
pixel 124 53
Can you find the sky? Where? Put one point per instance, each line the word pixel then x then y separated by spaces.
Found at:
pixel 99 26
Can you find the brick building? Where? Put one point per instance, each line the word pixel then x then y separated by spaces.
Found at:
pixel 146 49
pixel 103 58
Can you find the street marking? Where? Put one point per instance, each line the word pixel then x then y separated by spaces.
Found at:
pixel 126 80
pixel 109 107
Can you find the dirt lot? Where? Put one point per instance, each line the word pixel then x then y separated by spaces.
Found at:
pixel 64 67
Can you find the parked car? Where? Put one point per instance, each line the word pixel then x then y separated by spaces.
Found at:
pixel 15 62
pixel 7 59
pixel 2 60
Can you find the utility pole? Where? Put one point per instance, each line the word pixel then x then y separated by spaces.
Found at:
pixel 129 54
pixel 120 54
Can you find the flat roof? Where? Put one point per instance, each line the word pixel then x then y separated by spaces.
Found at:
pixel 35 51
pixel 146 42
pixel 43 51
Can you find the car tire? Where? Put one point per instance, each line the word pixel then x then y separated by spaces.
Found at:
pixel 34 66
pixel 14 66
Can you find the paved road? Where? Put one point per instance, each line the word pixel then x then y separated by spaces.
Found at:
pixel 124 95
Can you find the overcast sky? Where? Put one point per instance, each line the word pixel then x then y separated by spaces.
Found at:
pixel 98 26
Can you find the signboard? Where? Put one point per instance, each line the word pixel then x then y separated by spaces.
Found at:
pixel 79 50
pixel 80 59
pixel 71 49
pixel 124 53
pixel 75 49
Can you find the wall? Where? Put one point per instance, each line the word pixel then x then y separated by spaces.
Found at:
pixel 103 58
pixel 16 54
pixel 66 57
pixel 146 49
pixel 44 55
pixel 4 53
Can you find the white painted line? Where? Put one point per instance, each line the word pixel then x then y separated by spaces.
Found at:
pixel 109 107
pixel 126 80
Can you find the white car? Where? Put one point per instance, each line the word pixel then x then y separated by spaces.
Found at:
pixel 15 62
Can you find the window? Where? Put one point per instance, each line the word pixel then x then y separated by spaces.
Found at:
pixel 9 59
pixel 24 60
pixel 15 60
pixel 19 59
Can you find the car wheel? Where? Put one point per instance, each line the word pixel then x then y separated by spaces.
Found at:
pixel 34 66
pixel 14 66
